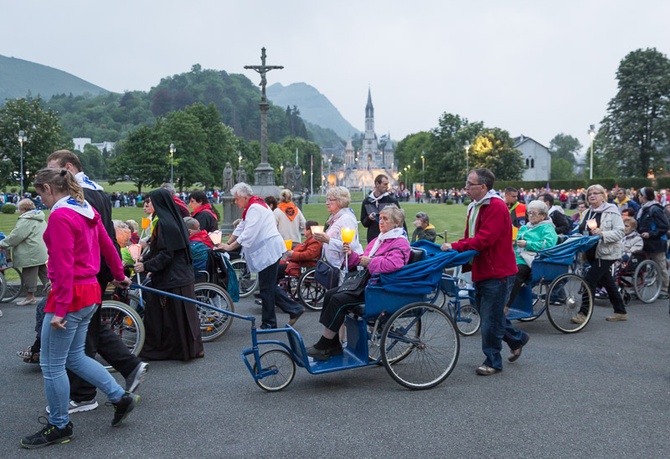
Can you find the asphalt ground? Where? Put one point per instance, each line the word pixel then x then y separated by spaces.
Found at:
pixel 600 393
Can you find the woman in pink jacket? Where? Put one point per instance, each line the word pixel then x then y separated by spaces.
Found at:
pixel 386 253
pixel 75 238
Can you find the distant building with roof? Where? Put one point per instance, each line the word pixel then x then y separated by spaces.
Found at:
pixel 536 157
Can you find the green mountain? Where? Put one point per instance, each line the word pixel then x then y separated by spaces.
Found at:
pixel 19 78
pixel 314 107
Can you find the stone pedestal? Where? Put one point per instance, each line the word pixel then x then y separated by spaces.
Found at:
pixel 230 213
pixel 264 179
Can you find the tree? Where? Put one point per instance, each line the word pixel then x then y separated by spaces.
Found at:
pixel 141 158
pixel 564 146
pixel 635 130
pixel 43 133
pixel 494 150
pixel 448 157
pixel 561 169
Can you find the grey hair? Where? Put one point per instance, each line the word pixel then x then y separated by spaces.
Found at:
pixel 395 213
pixel 241 189
pixel 341 194
pixel 538 206
pixel 170 188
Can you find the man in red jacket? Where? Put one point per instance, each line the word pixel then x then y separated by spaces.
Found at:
pixel 489 231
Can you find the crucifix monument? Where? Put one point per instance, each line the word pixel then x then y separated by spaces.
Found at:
pixel 264 175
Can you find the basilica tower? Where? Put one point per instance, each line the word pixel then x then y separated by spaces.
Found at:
pixel 369 149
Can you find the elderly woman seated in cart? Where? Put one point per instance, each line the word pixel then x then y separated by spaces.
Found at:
pixel 386 253
pixel 538 234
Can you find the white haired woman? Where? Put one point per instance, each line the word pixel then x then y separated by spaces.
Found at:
pixel 29 250
pixel 263 247
pixel 341 216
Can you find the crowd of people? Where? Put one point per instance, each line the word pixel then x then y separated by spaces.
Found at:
pixel 506 229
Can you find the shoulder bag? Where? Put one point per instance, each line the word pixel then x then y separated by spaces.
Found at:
pixel 326 274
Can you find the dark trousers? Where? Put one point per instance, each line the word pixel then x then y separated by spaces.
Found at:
pixel 522 276
pixel 336 305
pixel 600 273
pixel 272 295
pixel 102 340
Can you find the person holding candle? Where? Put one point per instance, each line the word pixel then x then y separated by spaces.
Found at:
pixel 341 216
pixel 305 254
pixel 602 219
pixel 386 253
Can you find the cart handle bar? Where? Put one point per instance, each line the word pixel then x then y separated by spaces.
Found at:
pixel 191 300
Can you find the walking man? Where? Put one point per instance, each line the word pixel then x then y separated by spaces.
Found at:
pixel 489 231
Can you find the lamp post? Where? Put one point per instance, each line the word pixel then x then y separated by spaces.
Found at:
pixel 423 169
pixel 22 138
pixel 467 158
pixel 173 150
pixel 592 134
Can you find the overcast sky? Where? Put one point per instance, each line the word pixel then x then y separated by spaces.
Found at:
pixel 531 67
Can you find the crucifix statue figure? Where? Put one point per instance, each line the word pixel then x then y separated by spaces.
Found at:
pixel 264 174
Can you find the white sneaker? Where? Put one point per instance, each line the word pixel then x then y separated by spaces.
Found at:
pixel 135 378
pixel 79 407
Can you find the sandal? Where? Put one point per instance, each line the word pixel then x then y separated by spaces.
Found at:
pixel 29 356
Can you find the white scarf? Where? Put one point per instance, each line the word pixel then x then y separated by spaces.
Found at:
pixel 392 234
pixel 375 200
pixel 473 209
pixel 86 182
pixel 68 202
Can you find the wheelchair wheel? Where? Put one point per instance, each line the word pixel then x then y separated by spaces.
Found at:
pixel 467 320
pixel 14 282
pixel 564 301
pixel 247 280
pixel 538 295
pixel 123 320
pixel 213 324
pixel 282 366
pixel 420 346
pixel 647 281
pixel 310 292
pixel 3 286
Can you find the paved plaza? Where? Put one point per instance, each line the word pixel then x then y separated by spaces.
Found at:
pixel 600 393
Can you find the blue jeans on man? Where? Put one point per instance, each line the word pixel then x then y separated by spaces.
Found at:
pixel 65 348
pixel 491 296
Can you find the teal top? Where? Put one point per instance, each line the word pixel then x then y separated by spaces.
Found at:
pixel 538 237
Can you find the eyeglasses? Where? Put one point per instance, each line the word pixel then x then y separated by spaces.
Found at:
pixel 532 213
pixel 469 184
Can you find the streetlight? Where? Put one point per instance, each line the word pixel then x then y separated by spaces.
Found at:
pixel 592 134
pixel 173 150
pixel 423 168
pixel 22 138
pixel 467 158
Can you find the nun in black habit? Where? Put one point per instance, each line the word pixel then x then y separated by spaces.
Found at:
pixel 172 326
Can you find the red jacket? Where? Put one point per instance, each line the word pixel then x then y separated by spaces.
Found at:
pixel 493 241
pixel 305 254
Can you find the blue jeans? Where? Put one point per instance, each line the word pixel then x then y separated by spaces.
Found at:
pixel 65 348
pixel 490 299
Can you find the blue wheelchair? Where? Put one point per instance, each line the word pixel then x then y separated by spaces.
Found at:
pixel 556 287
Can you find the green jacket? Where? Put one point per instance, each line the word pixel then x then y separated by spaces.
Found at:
pixel 26 240
pixel 538 237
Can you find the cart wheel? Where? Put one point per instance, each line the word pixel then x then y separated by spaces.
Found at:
pixel 646 281
pixel 539 295
pixel 438 298
pixel 625 296
pixel 126 323
pixel 564 301
pixel 310 292
pixel 420 346
pixel 213 324
pixel 3 287
pixel 248 281
pixel 14 281
pixel 468 320
pixel 282 366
